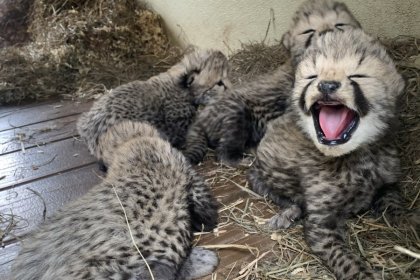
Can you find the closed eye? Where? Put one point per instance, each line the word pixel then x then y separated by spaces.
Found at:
pixel 339 25
pixel 311 77
pixel 357 76
pixel 308 31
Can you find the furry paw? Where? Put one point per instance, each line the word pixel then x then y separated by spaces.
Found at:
pixel 191 157
pixel 231 157
pixel 285 218
pixel 205 216
pixel 200 262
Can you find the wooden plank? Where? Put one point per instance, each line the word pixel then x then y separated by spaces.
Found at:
pixel 26 202
pixel 7 255
pixel 42 113
pixel 38 134
pixel 227 235
pixel 9 108
pixel 18 168
pixel 237 258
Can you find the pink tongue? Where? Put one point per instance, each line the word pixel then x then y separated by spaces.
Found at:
pixel 333 120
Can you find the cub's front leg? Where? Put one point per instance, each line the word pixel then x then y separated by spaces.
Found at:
pixel 235 133
pixel 203 205
pixel 178 118
pixel 279 185
pixel 324 233
pixel 328 205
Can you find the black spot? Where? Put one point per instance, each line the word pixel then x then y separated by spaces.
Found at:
pixel 327 246
pixel 173 247
pixel 330 222
pixel 154 203
pixel 169 231
pixel 346 268
pixel 366 173
pixel 179 239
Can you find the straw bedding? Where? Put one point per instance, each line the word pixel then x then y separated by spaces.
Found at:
pixel 79 49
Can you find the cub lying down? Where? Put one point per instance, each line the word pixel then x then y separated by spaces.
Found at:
pixel 163 200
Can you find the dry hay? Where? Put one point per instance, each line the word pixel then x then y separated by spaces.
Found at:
pixel 81 48
pixel 14 21
pixel 255 59
pixel 373 238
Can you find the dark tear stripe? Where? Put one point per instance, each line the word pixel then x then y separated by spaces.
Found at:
pixel 302 98
pixel 362 57
pixel 308 42
pixel 360 99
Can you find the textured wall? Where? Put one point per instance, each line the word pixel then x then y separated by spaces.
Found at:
pixel 224 24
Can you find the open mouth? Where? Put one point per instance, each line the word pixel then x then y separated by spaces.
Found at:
pixel 334 122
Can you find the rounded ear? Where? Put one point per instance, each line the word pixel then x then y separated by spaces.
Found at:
pixel 189 79
pixel 227 83
pixel 402 82
pixel 286 40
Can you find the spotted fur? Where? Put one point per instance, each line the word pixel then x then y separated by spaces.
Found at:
pixel 167 101
pixel 237 120
pixel 163 199
pixel 316 17
pixel 329 183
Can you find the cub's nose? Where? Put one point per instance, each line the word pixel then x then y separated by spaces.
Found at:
pixel 325 31
pixel 328 87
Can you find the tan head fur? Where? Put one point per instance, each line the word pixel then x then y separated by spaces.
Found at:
pixel 346 89
pixel 315 17
pixel 120 133
pixel 204 72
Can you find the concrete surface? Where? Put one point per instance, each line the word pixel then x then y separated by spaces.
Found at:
pixel 224 24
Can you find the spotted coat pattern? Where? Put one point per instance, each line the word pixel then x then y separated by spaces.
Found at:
pixel 326 184
pixel 236 121
pixel 164 200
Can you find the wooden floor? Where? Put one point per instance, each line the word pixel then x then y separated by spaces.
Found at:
pixel 43 166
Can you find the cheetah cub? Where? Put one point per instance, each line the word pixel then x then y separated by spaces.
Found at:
pixel 316 17
pixel 331 155
pixel 167 101
pixel 236 121
pixel 163 200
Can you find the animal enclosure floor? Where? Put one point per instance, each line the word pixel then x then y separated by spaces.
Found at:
pixel 44 165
